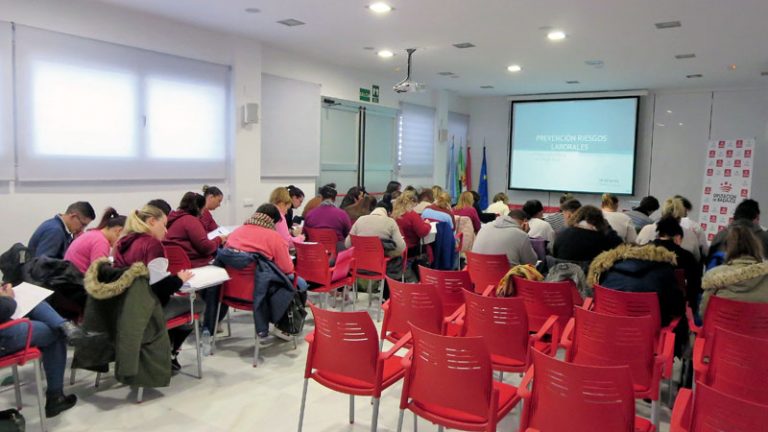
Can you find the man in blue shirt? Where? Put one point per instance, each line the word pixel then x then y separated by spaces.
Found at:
pixel 52 237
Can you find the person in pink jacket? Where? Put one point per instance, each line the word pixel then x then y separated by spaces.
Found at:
pixel 96 243
pixel 281 198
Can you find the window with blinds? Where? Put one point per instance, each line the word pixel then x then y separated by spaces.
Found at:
pixel 416 140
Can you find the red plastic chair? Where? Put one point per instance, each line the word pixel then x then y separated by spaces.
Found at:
pixel 237 293
pixel 20 358
pixel 710 410
pixel 503 324
pixel 324 236
pixel 448 381
pixel 578 398
pixel 312 266
pixel 632 304
pixel 451 285
pixel 749 319
pixel 736 365
pixel 343 357
pixel 371 261
pixel 544 299
pixel 596 339
pixel 486 270
pixel 414 303
pixel 177 258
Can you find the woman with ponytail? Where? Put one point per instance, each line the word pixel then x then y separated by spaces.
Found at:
pixel 620 222
pixel 213 197
pixel 142 242
pixel 97 242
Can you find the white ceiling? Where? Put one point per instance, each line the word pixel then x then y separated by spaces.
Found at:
pixel 621 33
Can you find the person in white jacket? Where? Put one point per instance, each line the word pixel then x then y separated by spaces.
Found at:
pixel 620 222
pixel 672 207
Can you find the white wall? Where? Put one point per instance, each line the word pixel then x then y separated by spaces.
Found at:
pixel 670 158
pixel 26 205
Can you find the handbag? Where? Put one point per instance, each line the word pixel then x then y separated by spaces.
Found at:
pixel 292 322
pixel 11 420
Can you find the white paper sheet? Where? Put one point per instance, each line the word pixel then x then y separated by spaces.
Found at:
pixel 205 277
pixel 220 231
pixel 27 297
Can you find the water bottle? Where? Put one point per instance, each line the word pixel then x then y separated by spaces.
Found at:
pixel 206 342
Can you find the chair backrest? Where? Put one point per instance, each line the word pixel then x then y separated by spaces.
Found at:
pixel 416 303
pixel 486 270
pixel 450 284
pixel 578 398
pixel 632 304
pixel 738 366
pixel 543 299
pixel 745 318
pixel 539 245
pixel 324 236
pixel 369 254
pixel 237 292
pixel 502 323
pixel 312 263
pixel 345 344
pixel 466 230
pixel 450 372
pixel 177 258
pixel 714 410
pixel 611 340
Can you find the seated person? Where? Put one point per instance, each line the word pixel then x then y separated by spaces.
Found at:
pixel 673 207
pixel 641 215
pixel 440 210
pixel 557 220
pixel 588 235
pixel 53 237
pixel 538 227
pixel 327 215
pixel 213 197
pixel 670 236
pixel 50 334
pixel 647 268
pixel 379 224
pixel 297 197
pixel 96 243
pixel 281 198
pixel 465 207
pixel 508 236
pixel 620 222
pixel 412 227
pixel 500 205
pixel 185 229
pixel 142 242
pixel 426 198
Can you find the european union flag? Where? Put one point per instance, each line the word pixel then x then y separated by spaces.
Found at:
pixel 483 188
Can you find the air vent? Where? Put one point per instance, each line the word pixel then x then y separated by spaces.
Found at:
pixel 595 63
pixel 369 48
pixel 445 73
pixel 290 22
pixel 668 25
pixel 252 10
pixel 464 45
pixel 572 82
pixel 455 76
pixel 694 76
pixel 685 56
pixel 486 87
pixel 764 73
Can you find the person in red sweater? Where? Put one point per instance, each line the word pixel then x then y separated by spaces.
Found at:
pixel 213 197
pixel 465 207
pixel 412 226
pixel 443 204
pixel 186 230
pixel 141 242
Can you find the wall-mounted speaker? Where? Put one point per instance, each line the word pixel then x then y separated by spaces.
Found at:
pixel 250 113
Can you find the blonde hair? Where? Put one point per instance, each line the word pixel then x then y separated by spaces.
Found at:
pixel 436 191
pixel 280 196
pixel 404 203
pixel 673 207
pixel 501 196
pixel 466 200
pixel 610 201
pixel 137 219
pixel 443 200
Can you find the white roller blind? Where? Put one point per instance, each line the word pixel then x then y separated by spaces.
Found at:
pixel 92 110
pixel 6 103
pixel 290 130
pixel 416 140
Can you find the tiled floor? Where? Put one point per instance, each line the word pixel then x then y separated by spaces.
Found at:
pixel 232 396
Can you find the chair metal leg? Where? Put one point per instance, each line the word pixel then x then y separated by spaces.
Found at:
pixel 415 422
pixel 370 294
pixel 40 400
pixel 98 379
pixel 229 323
pixel 375 416
pixel 17 386
pixel 140 395
pixel 198 345
pixel 400 421
pixel 72 372
pixel 256 350
pixel 670 391
pixel 440 429
pixel 216 328
pixel 655 413
pixel 381 300
pixel 351 409
pixel 303 403
pixel 343 296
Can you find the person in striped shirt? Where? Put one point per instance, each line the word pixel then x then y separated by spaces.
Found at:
pixel 557 220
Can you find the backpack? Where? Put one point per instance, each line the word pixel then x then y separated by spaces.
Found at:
pixel 292 322
pixel 12 263
pixel 11 420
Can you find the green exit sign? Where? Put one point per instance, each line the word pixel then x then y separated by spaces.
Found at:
pixel 370 95
pixel 365 94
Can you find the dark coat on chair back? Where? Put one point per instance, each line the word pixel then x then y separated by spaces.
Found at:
pixel 122 304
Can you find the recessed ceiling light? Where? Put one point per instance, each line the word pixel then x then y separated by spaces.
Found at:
pixel 445 73
pixel 252 10
pixel 380 7
pixel 679 124
pixel 572 82
pixel 694 76
pixel 369 48
pixel 660 124
pixel 556 35
pixel 486 87
pixel 290 22
pixel 385 53
pixel 732 67
pixel 669 111
pixel 668 25
pixel 464 45
pixel 514 68
pixel 685 56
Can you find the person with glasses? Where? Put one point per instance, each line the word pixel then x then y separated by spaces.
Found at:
pixel 53 237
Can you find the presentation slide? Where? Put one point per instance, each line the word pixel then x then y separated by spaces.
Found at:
pixel 583 145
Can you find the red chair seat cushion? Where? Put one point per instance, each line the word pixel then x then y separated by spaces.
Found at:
pixel 20 357
pixel 643 425
pixel 393 371
pixel 180 320
pixel 506 362
pixel 508 398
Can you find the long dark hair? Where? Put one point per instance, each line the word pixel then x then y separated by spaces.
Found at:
pixel 110 219
pixel 211 191
pixel 295 192
pixel 741 241
pixel 192 203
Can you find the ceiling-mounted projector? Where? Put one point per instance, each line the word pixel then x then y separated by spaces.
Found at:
pixel 407 85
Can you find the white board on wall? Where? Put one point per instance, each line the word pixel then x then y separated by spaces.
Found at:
pixel 290 127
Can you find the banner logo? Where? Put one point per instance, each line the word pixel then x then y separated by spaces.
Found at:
pixel 726 187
